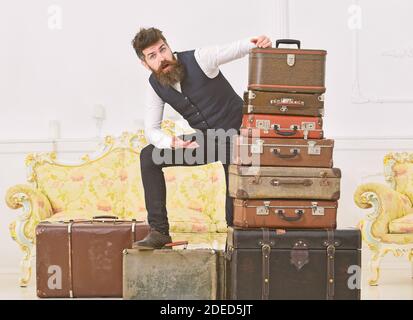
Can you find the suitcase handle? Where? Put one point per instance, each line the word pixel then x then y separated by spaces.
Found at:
pixel 288 41
pixel 105 217
pixel 177 243
pixel 287 133
pixel 304 182
pixel 299 215
pixel 294 153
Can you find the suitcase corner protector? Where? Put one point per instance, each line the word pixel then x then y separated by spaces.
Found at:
pixel 242 194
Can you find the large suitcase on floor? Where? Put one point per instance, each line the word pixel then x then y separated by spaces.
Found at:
pixel 276 126
pixel 283 152
pixel 284 183
pixel 284 103
pixel 293 264
pixel 292 214
pixel 83 258
pixel 287 70
pixel 186 274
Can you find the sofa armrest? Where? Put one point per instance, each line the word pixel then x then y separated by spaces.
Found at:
pixel 36 207
pixel 387 203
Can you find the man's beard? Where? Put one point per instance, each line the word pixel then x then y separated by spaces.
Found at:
pixel 175 73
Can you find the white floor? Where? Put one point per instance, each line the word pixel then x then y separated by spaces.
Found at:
pixel 394 284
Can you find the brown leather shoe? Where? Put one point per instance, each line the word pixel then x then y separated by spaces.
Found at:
pixel 154 240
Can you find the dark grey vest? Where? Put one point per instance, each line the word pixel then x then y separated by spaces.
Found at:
pixel 204 102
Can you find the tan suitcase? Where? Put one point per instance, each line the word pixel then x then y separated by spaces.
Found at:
pixel 316 153
pixel 284 183
pixel 83 258
pixel 299 214
pixel 188 274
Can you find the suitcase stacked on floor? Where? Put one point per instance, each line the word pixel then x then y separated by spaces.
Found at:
pixel 284 244
pixel 83 258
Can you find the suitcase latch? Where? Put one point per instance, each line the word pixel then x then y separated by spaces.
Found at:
pixel 317 211
pixel 257 146
pixel 250 108
pixel 251 95
pixel 308 125
pixel 313 149
pixel 263 124
pixel 299 256
pixel 290 59
pixel 284 109
pixel 263 210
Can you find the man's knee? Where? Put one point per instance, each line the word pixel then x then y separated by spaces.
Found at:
pixel 146 156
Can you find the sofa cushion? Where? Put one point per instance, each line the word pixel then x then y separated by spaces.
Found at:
pixel 403 175
pixel 94 186
pixel 402 225
pixel 198 240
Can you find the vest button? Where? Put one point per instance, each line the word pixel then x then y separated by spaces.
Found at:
pixel 197 113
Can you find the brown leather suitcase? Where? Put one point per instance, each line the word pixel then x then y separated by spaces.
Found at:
pixel 292 214
pixel 293 264
pixel 287 70
pixel 277 126
pixel 252 182
pixel 83 258
pixel 293 104
pixel 283 152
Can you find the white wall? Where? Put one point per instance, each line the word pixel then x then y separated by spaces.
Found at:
pixel 62 74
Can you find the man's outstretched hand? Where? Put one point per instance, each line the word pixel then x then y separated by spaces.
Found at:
pixel 179 143
pixel 262 41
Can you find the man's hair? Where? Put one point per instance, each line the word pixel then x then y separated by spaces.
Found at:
pixel 145 38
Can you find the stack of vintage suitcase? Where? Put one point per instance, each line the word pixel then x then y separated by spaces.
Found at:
pixel 284 244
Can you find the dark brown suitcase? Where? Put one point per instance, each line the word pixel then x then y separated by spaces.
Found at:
pixel 283 152
pixel 83 258
pixel 251 182
pixel 293 104
pixel 290 214
pixel 293 264
pixel 281 126
pixel 287 70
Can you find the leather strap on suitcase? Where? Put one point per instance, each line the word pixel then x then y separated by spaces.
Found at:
pixel 266 252
pixel 331 250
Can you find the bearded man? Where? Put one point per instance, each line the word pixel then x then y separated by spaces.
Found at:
pixel 191 83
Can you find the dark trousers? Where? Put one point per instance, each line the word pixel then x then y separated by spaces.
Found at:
pixel 154 181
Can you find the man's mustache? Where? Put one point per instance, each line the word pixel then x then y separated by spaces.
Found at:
pixel 166 63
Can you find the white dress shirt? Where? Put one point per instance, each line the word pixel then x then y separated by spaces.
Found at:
pixel 209 59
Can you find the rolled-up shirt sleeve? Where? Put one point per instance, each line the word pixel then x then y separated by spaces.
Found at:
pixel 154 108
pixel 211 57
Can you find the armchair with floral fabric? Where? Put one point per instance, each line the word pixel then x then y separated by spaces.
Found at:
pixel 110 184
pixel 389 226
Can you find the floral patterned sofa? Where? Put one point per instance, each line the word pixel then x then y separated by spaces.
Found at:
pixel 110 184
pixel 389 226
